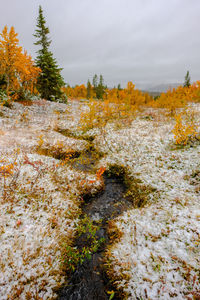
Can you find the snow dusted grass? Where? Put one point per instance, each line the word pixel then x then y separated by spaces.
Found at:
pixel 39 201
pixel 31 225
pixel 158 254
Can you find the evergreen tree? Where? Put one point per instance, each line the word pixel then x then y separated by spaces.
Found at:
pixel 50 81
pixel 119 87
pixel 89 87
pixel 100 88
pixel 187 80
pixel 95 81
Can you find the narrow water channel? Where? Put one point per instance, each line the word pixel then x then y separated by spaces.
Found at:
pixel 89 281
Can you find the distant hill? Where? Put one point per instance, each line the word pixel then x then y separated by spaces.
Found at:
pixel 163 88
pixel 153 94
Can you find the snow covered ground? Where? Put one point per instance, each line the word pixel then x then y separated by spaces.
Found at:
pixel 158 254
pixel 38 198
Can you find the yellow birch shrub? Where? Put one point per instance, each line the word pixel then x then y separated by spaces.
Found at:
pixel 172 100
pixel 116 104
pixel 184 130
pixel 178 98
pixel 97 115
pixel 91 118
pixel 77 92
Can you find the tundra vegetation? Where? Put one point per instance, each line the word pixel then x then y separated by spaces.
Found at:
pixel 157 142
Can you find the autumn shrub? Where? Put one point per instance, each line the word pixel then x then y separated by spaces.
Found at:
pixel 100 113
pixel 16 66
pixel 8 177
pixel 126 101
pixel 23 94
pixel 185 130
pixel 91 117
pixel 178 98
pixel 57 150
pixel 196 91
pixel 97 115
pixel 172 100
pixel 128 98
pixel 77 92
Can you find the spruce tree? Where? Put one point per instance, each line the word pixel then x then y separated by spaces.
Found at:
pixel 100 88
pixel 187 80
pixel 94 81
pixel 119 87
pixel 89 88
pixel 50 81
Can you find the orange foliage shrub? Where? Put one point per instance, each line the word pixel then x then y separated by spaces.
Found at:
pixel 94 116
pixel 116 104
pixel 185 129
pixel 78 92
pixel 129 96
pixel 178 98
pixel 17 66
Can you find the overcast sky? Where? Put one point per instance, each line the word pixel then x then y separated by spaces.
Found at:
pixel 146 41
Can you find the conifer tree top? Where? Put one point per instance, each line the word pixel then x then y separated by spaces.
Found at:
pixel 42 31
pixel 50 80
pixel 187 80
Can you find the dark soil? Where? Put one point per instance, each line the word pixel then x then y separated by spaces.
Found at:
pixel 89 281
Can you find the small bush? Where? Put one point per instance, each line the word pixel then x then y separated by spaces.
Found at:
pixel 4 99
pixel 86 233
pixel 185 131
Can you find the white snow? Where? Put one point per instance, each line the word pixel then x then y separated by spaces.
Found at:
pixel 158 254
pixel 159 249
pixel 38 212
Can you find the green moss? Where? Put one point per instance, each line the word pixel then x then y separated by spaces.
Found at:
pixel 116 170
pixel 139 193
pixel 89 244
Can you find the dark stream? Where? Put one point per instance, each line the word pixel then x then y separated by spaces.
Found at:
pixel 89 281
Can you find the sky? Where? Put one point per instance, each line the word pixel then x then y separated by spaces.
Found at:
pixel 148 42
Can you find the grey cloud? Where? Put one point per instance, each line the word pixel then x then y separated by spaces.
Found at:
pixel 146 41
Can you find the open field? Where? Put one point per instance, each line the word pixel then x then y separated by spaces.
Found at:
pixel 157 253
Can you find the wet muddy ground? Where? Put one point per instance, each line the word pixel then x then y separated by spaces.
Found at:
pixel 89 280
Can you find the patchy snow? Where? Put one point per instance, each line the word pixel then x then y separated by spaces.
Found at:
pixel 38 199
pixel 159 249
pixel 158 254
